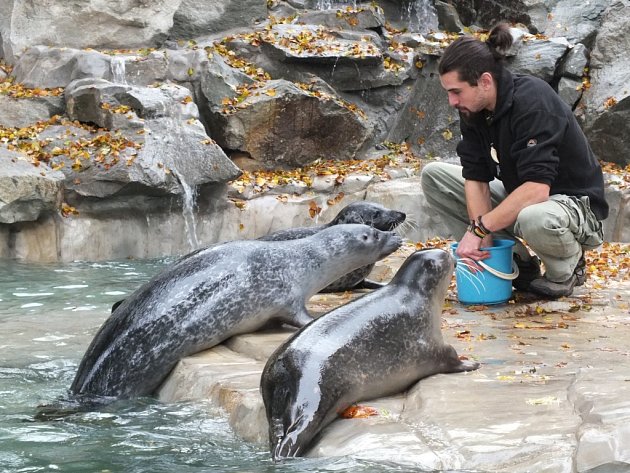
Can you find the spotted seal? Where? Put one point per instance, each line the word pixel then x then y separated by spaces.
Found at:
pixel 369 213
pixel 213 294
pixel 374 346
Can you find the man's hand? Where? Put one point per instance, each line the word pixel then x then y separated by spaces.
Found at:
pixel 469 250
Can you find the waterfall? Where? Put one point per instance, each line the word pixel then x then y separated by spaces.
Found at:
pixel 188 210
pixel 164 139
pixel 117 66
pixel 418 15
pixel 329 4
pixel 421 16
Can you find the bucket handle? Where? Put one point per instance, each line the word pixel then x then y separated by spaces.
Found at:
pixel 499 274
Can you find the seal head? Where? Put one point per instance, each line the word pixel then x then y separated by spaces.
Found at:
pixel 363 212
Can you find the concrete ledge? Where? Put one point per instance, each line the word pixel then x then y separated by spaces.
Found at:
pixel 552 394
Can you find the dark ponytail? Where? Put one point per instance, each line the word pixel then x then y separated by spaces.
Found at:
pixel 471 57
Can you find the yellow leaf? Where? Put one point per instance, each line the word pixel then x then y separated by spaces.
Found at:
pixel 271 92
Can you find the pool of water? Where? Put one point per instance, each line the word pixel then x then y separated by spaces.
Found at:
pixel 48 316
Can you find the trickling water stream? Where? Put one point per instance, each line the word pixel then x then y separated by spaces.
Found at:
pixel 118 69
pixel 48 316
pixel 417 15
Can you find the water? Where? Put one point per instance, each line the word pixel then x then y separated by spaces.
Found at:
pixel 117 66
pixel 418 16
pixel 189 203
pixel 48 316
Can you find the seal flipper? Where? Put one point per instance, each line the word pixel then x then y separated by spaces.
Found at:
pixel 368 284
pixel 299 318
pixel 116 304
pixel 453 364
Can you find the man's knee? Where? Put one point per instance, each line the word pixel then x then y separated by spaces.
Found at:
pixel 434 175
pixel 543 228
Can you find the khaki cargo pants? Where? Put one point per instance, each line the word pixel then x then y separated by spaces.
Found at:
pixel 557 230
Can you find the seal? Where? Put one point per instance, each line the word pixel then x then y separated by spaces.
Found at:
pixel 368 213
pixel 213 294
pixel 377 345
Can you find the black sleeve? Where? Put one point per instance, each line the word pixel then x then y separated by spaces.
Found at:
pixel 473 154
pixel 537 136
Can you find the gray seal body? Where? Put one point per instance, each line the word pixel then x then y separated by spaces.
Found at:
pixel 374 346
pixel 368 213
pixel 213 294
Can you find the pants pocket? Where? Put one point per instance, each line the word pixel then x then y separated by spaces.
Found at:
pixel 588 231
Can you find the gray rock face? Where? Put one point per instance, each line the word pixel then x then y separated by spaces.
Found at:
pixel 26 191
pixel 607 102
pixel 427 122
pixel 163 145
pixel 124 24
pixel 576 21
pixel 539 57
pixel 282 124
pixel 50 67
pixel 17 113
pixel 199 17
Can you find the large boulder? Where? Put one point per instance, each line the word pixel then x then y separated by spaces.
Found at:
pixel 606 103
pixel 27 191
pixel 18 113
pixel 426 122
pixel 158 144
pixel 50 67
pixel 198 17
pixel 84 23
pixel 281 124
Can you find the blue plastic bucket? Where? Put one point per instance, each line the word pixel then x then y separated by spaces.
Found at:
pixel 484 287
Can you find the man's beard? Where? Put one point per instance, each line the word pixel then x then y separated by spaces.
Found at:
pixel 470 117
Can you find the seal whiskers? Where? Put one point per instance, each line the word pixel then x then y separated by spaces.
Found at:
pixel 367 213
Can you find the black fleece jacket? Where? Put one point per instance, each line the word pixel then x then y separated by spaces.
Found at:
pixel 536 138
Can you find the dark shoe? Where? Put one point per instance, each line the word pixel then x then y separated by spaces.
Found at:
pixel 580 271
pixel 547 288
pixel 527 272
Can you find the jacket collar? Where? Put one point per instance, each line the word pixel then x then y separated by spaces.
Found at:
pixel 505 94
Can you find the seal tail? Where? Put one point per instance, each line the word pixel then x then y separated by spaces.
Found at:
pixel 69 406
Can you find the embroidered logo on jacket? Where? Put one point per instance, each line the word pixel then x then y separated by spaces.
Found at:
pixel 532 142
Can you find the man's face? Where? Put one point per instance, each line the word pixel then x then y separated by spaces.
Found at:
pixel 464 97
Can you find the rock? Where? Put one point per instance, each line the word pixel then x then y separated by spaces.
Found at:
pixel 163 146
pixel 570 90
pixel 360 18
pixel 576 21
pixel 200 17
pixel 539 57
pixel 427 123
pixel 448 19
pixel 607 101
pixel 50 67
pixel 27 191
pixel 280 124
pixel 575 62
pixel 18 113
pixel 135 24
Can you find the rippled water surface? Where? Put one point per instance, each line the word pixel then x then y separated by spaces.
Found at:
pixel 48 316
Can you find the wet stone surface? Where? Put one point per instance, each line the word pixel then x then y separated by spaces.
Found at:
pixel 552 393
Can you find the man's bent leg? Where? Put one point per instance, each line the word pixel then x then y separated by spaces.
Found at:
pixel 443 187
pixel 550 231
